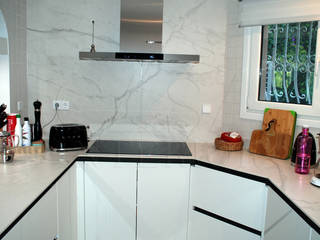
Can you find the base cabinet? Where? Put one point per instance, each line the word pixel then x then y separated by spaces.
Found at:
pixel 282 222
pixel 68 205
pixel 236 198
pixel 291 226
pixel 163 193
pixel 144 201
pixel 15 233
pixel 314 235
pixel 203 227
pixel 110 200
pixel 54 216
pixel 136 201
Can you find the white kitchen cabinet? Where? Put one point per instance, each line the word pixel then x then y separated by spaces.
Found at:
pixel 314 235
pixel 291 226
pixel 67 205
pixel 276 209
pixel 110 200
pixel 40 223
pixel 15 233
pixel 55 214
pixel 203 227
pixel 236 198
pixel 80 201
pixel 282 222
pixel 162 193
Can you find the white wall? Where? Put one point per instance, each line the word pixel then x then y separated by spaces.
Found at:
pixel 232 90
pixel 120 100
pixel 4 81
pixel 4 64
pixel 14 12
pixel 233 78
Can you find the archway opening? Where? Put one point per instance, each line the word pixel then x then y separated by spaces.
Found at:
pixel 4 64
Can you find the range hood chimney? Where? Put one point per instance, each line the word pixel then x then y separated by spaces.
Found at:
pixel 140 36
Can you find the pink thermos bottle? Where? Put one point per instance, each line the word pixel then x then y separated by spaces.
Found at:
pixel 304 148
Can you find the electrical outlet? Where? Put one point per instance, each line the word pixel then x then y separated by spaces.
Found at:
pixel 206 108
pixel 62 105
pixel 65 105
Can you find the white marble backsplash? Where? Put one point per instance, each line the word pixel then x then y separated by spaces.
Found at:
pixel 121 100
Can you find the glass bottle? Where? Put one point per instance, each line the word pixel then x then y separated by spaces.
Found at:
pixel 304 147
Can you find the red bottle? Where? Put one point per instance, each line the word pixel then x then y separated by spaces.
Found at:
pixel 304 148
pixel 12 120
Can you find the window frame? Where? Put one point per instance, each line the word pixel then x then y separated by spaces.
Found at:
pixel 250 107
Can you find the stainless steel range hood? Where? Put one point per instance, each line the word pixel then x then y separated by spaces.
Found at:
pixel 140 36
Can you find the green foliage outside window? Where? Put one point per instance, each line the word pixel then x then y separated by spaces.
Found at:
pixel 288 63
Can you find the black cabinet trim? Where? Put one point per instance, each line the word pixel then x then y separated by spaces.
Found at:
pixel 267 181
pixel 134 160
pixel 231 171
pixel 294 207
pixel 227 220
pixel 192 162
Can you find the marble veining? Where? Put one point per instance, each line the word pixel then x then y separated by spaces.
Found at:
pixel 121 100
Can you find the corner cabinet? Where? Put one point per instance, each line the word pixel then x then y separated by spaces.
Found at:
pixel 282 222
pixel 40 222
pixel 53 216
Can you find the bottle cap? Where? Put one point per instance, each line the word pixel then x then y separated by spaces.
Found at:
pixel 26 119
pixel 18 116
pixel 305 126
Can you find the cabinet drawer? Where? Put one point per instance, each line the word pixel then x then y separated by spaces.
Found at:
pixel 236 198
pixel 203 227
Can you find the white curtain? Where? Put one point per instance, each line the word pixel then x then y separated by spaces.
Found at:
pixel 263 12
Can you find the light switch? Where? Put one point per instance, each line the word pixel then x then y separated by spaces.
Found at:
pixel 206 108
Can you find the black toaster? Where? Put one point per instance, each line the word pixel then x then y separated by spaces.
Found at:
pixel 68 137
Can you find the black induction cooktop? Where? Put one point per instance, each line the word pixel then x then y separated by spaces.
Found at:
pixel 143 148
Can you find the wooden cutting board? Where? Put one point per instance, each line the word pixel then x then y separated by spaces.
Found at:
pixel 276 136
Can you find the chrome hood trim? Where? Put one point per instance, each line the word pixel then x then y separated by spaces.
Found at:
pixel 139 57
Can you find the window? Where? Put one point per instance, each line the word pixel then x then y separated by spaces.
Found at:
pixel 280 70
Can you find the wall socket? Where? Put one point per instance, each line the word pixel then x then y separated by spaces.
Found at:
pixel 206 108
pixel 62 105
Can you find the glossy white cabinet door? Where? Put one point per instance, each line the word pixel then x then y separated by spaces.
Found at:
pixel 282 222
pixel 80 201
pixel 276 209
pixel 239 199
pixel 290 226
pixel 40 223
pixel 110 200
pixel 314 235
pixel 163 192
pixel 15 233
pixel 203 227
pixel 67 205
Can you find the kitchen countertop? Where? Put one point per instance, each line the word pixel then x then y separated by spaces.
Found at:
pixel 23 180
